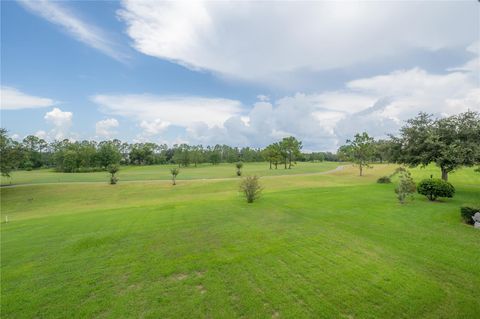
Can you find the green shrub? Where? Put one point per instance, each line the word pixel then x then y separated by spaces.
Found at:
pixel 251 188
pixel 406 186
pixel 384 180
pixel 435 187
pixel 174 172
pixel 467 211
pixel 113 169
pixel 239 166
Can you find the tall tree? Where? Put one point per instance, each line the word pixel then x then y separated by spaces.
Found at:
pixel 108 154
pixel 360 151
pixel 290 149
pixel 11 153
pixel 449 142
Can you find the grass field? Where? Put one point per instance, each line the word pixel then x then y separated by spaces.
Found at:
pixel 162 172
pixel 321 246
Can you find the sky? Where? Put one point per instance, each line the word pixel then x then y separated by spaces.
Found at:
pixel 236 73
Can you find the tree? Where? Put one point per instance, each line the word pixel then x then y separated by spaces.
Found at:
pixel 406 186
pixel 108 154
pixel 11 154
pixel 290 149
pixel 360 151
pixel 174 171
pixel 215 158
pixel 196 154
pixel 182 155
pixel 34 147
pixel 272 154
pixel 239 166
pixel 251 188
pixel 113 169
pixel 449 142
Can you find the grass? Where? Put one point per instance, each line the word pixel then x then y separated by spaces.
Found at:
pixel 323 246
pixel 162 172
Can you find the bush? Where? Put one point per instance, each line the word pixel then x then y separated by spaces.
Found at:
pixel 384 180
pixel 113 169
pixel 239 166
pixel 406 186
pixel 467 211
pixel 174 172
pixel 251 188
pixel 435 187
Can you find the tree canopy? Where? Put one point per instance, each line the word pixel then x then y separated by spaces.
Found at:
pixel 448 142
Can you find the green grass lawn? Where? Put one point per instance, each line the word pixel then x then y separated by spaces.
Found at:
pixel 318 246
pixel 162 172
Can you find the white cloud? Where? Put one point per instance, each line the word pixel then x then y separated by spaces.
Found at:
pixel 41 134
pixel 106 128
pixel 175 110
pixel 265 41
pixel 323 121
pixel 153 127
pixel 13 99
pixel 91 35
pixel 61 122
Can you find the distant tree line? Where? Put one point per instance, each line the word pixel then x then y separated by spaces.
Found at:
pixel 448 142
pixel 86 156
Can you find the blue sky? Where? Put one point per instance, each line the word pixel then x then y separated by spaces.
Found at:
pixel 243 73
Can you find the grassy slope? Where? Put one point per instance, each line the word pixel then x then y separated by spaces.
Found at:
pixel 162 172
pixel 313 246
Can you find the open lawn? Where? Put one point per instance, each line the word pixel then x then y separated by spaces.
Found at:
pixel 321 246
pixel 162 172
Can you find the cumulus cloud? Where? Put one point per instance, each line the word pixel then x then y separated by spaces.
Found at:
pixel 63 16
pixel 106 128
pixel 233 38
pixel 174 110
pixel 323 121
pixel 154 127
pixel 61 122
pixel 13 99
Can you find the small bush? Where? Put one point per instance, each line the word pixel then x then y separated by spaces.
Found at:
pixel 434 188
pixel 467 211
pixel 251 188
pixel 113 169
pixel 384 180
pixel 174 171
pixel 239 166
pixel 406 186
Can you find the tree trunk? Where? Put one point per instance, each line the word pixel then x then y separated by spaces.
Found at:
pixel 361 169
pixel 444 174
pixel 270 164
pixel 285 163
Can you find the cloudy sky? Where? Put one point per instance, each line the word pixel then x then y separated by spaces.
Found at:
pixel 240 73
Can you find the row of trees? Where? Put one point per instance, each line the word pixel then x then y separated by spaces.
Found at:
pixel 449 142
pixel 284 152
pixel 82 156
pixel 70 156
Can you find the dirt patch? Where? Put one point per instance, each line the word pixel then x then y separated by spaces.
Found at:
pixel 201 289
pixel 179 277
